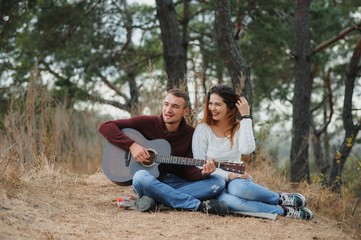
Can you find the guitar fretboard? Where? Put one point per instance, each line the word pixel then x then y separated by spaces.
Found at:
pixel 160 158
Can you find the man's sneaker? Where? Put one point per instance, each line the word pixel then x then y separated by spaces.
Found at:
pixel 214 207
pixel 299 213
pixel 292 200
pixel 144 204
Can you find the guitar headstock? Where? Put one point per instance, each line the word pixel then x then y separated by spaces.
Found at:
pixel 233 167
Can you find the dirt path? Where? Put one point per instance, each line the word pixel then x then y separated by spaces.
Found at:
pixel 55 206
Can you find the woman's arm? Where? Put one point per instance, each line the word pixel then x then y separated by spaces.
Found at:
pixel 246 141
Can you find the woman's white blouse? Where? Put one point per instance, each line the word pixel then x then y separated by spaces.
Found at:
pixel 206 145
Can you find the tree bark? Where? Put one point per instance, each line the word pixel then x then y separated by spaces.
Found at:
pixel 320 150
pixel 230 51
pixel 301 116
pixel 173 51
pixel 351 129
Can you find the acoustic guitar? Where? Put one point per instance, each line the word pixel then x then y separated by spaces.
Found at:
pixel 119 165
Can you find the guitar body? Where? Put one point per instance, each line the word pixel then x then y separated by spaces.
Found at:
pixel 119 166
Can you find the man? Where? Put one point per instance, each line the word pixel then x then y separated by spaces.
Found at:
pixel 178 186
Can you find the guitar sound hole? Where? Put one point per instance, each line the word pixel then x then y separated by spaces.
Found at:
pixel 152 154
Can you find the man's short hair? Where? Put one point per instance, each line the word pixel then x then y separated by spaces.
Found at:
pixel 182 94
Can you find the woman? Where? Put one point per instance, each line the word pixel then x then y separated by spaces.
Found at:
pixel 220 136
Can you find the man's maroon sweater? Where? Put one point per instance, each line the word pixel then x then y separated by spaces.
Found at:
pixel 153 127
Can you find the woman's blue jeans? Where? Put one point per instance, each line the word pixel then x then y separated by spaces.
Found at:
pixel 176 192
pixel 243 195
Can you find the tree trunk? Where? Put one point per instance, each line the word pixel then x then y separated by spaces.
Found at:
pixel 321 163
pixel 230 51
pixel 301 117
pixel 322 149
pixel 351 129
pixel 134 94
pixel 173 51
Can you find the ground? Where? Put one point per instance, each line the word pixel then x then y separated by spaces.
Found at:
pixel 60 206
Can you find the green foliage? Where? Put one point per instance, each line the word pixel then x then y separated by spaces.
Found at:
pixel 268 54
pixel 77 41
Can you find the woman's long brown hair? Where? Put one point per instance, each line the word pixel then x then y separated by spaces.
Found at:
pixel 230 97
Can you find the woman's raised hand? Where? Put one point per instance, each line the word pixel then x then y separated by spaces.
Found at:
pixel 243 106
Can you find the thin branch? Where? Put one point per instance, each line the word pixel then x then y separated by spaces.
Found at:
pixel 116 104
pixel 334 39
pixel 112 86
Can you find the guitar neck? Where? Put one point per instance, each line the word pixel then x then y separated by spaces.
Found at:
pixel 160 158
pixel 227 166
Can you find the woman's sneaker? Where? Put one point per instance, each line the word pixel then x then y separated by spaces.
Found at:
pixel 292 200
pixel 299 213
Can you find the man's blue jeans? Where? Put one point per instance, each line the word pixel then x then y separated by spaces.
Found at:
pixel 246 196
pixel 176 192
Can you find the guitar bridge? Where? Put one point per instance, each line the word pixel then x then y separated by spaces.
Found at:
pixel 127 157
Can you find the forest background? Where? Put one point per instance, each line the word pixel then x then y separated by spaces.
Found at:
pixel 65 66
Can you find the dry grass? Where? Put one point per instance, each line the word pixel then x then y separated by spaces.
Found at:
pixel 321 200
pixel 49 204
pixel 42 131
